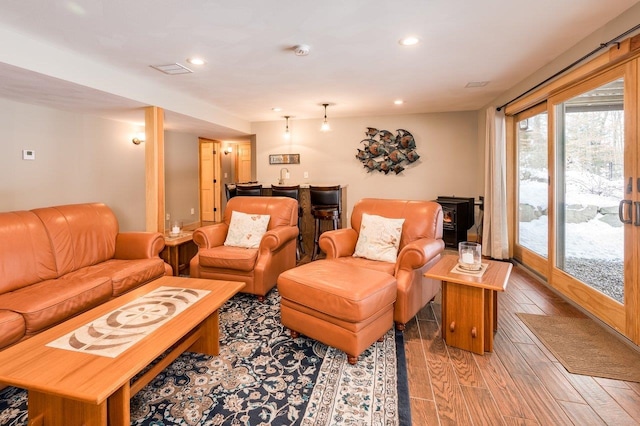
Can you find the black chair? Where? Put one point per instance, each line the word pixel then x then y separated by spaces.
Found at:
pixel 326 204
pixel 248 190
pixel 292 192
pixel 230 192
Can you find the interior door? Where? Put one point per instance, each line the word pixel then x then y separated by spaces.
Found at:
pixel 243 162
pixel 210 194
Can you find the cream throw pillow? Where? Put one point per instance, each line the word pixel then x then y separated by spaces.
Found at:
pixel 379 238
pixel 246 230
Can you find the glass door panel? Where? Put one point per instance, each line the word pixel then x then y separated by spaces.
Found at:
pixel 589 188
pixel 533 184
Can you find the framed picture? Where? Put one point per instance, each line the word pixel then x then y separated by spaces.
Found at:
pixel 284 159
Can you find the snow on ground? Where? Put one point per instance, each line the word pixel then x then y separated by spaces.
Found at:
pixel 589 240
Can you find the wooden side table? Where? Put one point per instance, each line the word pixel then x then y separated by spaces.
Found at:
pixel 178 251
pixel 470 303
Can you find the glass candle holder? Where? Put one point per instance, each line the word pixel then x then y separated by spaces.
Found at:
pixel 470 256
pixel 176 227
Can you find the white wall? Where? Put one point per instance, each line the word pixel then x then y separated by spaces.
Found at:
pixel 79 158
pixel 181 177
pixel 446 142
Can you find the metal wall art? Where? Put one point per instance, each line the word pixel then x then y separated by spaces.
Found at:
pixel 387 153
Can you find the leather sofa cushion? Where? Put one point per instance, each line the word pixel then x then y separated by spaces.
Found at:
pixel 12 327
pixel 224 257
pixel 81 234
pixel 26 256
pixel 281 213
pixel 47 303
pixel 376 265
pixel 338 289
pixel 421 218
pixel 125 274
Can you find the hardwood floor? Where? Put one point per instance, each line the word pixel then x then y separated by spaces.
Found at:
pixel 520 383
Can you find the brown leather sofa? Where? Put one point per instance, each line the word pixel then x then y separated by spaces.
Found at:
pixel 258 267
pixel 56 262
pixel 420 248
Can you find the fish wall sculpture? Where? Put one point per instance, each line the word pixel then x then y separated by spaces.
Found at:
pixel 384 152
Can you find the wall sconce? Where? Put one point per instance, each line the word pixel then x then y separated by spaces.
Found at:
pixel 287 134
pixel 138 139
pixel 228 150
pixel 325 124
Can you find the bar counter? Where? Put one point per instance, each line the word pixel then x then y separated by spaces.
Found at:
pixel 307 223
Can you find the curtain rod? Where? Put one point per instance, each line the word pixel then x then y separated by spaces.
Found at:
pixel 573 64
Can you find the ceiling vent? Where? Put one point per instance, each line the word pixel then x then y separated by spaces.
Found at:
pixel 172 69
pixel 476 84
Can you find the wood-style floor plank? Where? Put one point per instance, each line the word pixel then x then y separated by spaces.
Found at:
pixel 520 383
pixel 510 401
pixel 447 393
pixel 581 414
pixel 482 406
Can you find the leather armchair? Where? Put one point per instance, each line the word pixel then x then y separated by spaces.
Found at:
pixel 257 268
pixel 420 248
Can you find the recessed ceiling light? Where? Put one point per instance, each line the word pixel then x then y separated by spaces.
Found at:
pixel 398 102
pixel 196 61
pixel 409 41
pixel 276 109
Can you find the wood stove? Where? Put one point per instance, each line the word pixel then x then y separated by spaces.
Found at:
pixel 458 218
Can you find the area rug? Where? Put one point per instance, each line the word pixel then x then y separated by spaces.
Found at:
pixel 264 377
pixel 585 347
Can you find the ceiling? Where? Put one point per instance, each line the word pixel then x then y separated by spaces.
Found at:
pixel 94 56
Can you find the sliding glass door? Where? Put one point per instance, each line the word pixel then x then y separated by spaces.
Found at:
pixel 590 188
pixel 577 186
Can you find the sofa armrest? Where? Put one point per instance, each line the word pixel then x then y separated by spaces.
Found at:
pixel 211 236
pixel 338 242
pixel 138 245
pixel 277 237
pixel 417 253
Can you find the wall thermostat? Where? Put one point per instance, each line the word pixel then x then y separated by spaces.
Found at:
pixel 28 154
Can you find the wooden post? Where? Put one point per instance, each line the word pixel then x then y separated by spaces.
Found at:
pixel 154 169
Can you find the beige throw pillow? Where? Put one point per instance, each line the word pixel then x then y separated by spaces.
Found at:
pixel 379 238
pixel 246 230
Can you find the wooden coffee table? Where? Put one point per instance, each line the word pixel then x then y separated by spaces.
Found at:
pixel 72 387
pixel 470 303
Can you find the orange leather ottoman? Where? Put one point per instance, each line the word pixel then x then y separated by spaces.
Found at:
pixel 341 305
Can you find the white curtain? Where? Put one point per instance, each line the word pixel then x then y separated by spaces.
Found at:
pixel 495 241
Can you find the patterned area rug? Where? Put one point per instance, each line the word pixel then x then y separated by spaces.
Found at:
pixel 263 377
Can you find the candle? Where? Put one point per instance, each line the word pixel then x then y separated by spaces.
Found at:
pixel 467 258
pixel 175 230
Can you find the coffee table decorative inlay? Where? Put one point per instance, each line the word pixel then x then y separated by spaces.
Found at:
pixel 117 331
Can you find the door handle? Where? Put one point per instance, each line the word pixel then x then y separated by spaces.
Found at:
pixel 621 211
pixel 637 221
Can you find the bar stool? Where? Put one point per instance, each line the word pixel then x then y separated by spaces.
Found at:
pixel 292 191
pixel 249 190
pixel 326 204
pixel 229 191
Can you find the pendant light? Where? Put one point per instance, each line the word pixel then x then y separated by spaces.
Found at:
pixel 287 134
pixel 325 124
